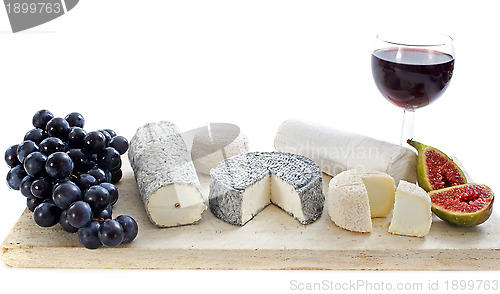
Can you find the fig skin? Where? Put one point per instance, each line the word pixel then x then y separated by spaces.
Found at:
pixel 422 178
pixel 463 219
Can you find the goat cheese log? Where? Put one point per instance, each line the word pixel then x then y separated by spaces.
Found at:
pixel 165 175
pixel 243 185
pixel 337 151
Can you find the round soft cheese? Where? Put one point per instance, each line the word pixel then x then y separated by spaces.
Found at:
pixel 243 185
pixel 355 196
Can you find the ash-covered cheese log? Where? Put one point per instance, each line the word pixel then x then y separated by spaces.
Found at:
pixel 165 175
pixel 337 151
pixel 243 185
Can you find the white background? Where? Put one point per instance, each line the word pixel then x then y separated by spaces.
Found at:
pixel 253 63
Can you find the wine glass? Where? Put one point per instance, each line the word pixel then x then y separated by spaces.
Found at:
pixel 412 70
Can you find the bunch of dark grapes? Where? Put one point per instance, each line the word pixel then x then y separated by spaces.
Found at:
pixel 68 177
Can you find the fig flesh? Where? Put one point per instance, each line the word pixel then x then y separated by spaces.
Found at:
pixel 463 205
pixel 435 170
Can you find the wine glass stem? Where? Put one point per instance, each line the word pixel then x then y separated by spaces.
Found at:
pixel 407 130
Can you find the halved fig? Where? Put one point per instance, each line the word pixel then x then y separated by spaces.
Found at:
pixel 463 205
pixel 435 170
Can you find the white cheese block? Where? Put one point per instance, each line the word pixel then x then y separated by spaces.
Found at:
pixel 337 151
pixel 215 143
pixel 165 175
pixel 355 196
pixel 243 185
pixel 412 214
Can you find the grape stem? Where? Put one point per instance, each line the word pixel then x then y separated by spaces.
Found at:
pixel 100 220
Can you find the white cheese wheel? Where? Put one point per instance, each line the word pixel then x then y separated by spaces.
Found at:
pixel 215 143
pixel 243 185
pixel 337 151
pixel 355 196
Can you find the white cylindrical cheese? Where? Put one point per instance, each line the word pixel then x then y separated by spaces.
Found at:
pixel 165 175
pixel 336 151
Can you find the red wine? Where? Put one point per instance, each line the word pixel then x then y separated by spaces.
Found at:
pixel 411 78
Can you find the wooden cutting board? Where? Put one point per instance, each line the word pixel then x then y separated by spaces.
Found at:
pixel 272 240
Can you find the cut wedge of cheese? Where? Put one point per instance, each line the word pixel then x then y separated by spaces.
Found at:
pixel 165 175
pixel 243 185
pixel 412 215
pixel 355 196
pixel 336 151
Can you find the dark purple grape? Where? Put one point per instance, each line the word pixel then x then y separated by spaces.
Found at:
pixel 110 132
pixel 47 214
pixel 109 158
pixel 106 135
pixel 25 148
pixel 41 118
pixel 106 213
pixel 41 188
pixel 32 203
pixel 81 160
pixel 108 176
pixel 34 164
pixel 35 135
pixel 89 235
pixel 59 165
pixel 75 119
pixel 115 169
pixel 15 176
pixel 94 142
pixel 86 181
pixel 57 182
pixel 11 156
pixel 76 138
pixel 120 144
pixel 98 198
pixel 111 233
pixel 116 176
pixel 65 194
pixel 79 214
pixel 26 186
pixel 99 175
pixel 113 192
pixel 63 221
pixel 58 127
pixel 52 145
pixel 129 226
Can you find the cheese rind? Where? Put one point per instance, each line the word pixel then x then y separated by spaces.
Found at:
pixel 215 143
pixel 165 175
pixel 412 215
pixel 355 196
pixel 336 151
pixel 349 208
pixel 243 185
